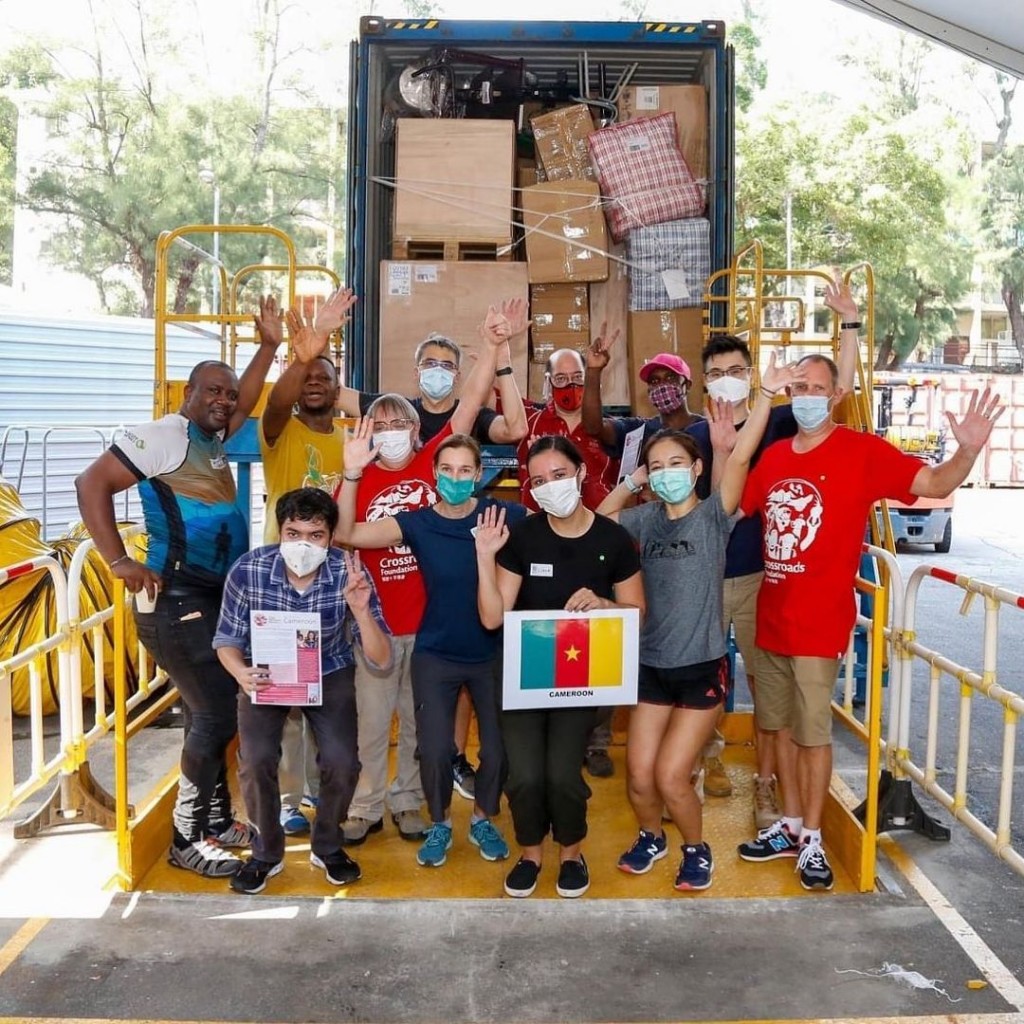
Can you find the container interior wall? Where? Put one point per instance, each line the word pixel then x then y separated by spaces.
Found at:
pixel 674 64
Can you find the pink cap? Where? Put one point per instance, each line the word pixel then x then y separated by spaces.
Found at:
pixel 669 361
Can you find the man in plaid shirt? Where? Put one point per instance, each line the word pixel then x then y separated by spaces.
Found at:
pixel 301 574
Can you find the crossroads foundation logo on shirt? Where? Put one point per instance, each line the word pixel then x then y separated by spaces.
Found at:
pixel 404 496
pixel 793 513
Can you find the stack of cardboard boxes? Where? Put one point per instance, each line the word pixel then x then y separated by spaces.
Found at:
pixel 458 181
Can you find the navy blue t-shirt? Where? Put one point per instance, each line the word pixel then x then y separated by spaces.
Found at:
pixel 446 553
pixel 745 554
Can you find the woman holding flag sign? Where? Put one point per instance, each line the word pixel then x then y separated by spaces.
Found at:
pixel 684 674
pixel 565 558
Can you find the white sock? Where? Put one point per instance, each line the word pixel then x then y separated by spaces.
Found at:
pixel 795 825
pixel 810 835
pixel 474 818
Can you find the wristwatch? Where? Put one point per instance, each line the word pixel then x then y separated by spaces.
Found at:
pixel 631 485
pixel 503 372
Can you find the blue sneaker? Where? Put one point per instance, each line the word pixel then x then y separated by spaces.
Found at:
pixel 310 801
pixel 696 867
pixel 491 842
pixel 640 857
pixel 433 852
pixel 293 821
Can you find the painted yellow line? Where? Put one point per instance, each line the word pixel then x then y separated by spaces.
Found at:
pixel 998 974
pixel 19 941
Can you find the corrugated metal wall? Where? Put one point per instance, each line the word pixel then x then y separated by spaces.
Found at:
pixel 61 373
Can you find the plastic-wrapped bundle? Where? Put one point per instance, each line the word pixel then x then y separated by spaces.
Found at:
pixel 669 264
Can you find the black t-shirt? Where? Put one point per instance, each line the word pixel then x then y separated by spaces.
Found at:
pixel 744 554
pixel 432 423
pixel 553 568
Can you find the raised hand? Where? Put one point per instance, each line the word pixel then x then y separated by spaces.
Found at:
pixel 334 312
pixel 357 590
pixel 514 311
pixel 495 329
pixel 777 375
pixel 268 322
pixel 972 430
pixel 359 450
pixel 491 531
pixel 840 300
pixel 307 342
pixel 599 350
pixel 721 425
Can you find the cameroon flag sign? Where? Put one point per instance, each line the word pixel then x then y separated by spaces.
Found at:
pixel 563 659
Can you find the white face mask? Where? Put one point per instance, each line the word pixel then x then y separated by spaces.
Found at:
pixel 302 557
pixel 558 498
pixel 729 389
pixel 394 445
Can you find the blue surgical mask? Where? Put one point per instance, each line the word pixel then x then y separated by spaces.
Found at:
pixel 455 492
pixel 810 411
pixel 672 485
pixel 436 383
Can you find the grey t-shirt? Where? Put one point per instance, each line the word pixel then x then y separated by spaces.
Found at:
pixel 683 562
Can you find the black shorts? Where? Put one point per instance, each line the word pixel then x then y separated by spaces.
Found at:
pixel 701 686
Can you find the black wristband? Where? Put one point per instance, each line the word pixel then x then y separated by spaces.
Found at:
pixel 850 325
pixel 505 371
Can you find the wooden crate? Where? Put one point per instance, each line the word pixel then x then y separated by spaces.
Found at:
pixel 464 249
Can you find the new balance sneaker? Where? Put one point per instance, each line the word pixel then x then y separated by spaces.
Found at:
pixel 771 843
pixel 767 809
pixel 293 821
pixel 491 843
pixel 522 879
pixel 464 777
pixel 640 857
pixel 204 858
pixel 696 868
pixel 434 851
pixel 813 866
pixel 339 867
pixel 716 778
pixel 573 878
pixel 236 835
pixel 252 876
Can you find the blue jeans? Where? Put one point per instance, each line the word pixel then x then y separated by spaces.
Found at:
pixel 178 634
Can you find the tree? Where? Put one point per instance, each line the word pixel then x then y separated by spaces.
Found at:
pixel 128 163
pixel 8 148
pixel 1003 223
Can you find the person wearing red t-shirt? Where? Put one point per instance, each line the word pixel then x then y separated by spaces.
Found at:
pixel 398 476
pixel 814 493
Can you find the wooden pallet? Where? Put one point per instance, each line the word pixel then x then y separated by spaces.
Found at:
pixel 450 249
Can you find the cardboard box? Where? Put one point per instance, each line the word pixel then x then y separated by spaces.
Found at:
pixel 674 330
pixel 454 179
pixel 561 141
pixel 609 303
pixel 561 319
pixel 690 105
pixel 450 298
pixel 566 236
pixel 526 175
pixel 536 380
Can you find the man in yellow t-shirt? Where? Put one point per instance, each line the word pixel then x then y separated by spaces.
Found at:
pixel 301 447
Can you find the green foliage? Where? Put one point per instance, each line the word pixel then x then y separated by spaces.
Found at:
pixel 859 192
pixel 8 140
pixel 1003 223
pixel 751 69
pixel 132 154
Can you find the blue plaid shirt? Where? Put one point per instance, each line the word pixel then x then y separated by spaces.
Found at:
pixel 259 580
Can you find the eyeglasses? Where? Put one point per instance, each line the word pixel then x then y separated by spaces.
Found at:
pixel 438 364
pixel 380 426
pixel 736 372
pixel 563 380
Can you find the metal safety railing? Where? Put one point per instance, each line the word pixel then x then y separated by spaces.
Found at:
pixel 14 792
pixel 972 683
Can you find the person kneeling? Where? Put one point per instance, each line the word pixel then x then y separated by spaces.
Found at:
pixel 302 574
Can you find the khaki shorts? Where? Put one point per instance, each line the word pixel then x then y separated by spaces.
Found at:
pixel 739 607
pixel 796 694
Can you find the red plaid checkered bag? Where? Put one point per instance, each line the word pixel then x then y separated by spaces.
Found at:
pixel 643 174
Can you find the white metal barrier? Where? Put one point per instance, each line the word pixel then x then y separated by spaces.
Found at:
pixel 972 682
pixel 41 770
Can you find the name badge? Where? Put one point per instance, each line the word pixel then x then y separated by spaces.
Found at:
pixel 540 569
